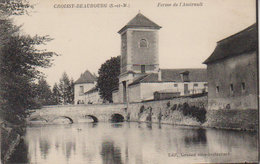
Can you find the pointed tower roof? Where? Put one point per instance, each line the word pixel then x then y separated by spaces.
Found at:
pixel 140 21
pixel 86 77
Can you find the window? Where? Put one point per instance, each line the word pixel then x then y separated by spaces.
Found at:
pixel 175 85
pixel 217 89
pixel 243 86
pixel 205 85
pixel 81 90
pixel 231 88
pixel 143 43
pixel 195 85
pixel 142 68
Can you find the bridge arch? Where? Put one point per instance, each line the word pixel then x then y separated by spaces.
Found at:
pixel 38 119
pixel 116 117
pixel 94 118
pixel 70 119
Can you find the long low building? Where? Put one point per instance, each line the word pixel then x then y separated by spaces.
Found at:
pixel 176 81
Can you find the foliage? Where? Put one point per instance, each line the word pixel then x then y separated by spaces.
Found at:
pixel 14 7
pixel 193 111
pixel 19 60
pixel 66 89
pixel 108 78
pixel 56 95
pixel 43 93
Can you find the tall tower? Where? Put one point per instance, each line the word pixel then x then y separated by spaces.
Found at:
pixel 139 46
pixel 139 51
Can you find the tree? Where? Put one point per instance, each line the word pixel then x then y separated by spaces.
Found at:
pixel 14 7
pixel 108 77
pixel 66 89
pixel 56 95
pixel 19 61
pixel 43 92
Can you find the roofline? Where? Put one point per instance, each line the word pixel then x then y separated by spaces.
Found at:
pixel 84 83
pixel 251 26
pixel 137 27
pixel 168 82
pixel 182 68
pixel 228 57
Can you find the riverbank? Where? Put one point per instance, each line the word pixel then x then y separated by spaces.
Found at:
pixel 11 137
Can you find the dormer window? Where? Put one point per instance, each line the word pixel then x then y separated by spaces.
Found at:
pixel 185 76
pixel 143 43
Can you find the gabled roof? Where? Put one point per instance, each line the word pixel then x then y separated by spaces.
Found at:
pixel 173 75
pixel 140 21
pixel 92 90
pixel 242 42
pixel 86 77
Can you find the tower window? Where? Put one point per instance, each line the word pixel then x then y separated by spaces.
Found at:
pixel 217 89
pixel 243 86
pixel 81 90
pixel 142 68
pixel 231 88
pixel 143 43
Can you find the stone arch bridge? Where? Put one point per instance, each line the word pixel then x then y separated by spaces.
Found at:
pixel 75 113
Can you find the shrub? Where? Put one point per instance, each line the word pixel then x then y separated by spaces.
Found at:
pixel 142 109
pixel 168 104
pixel 193 111
pixel 174 107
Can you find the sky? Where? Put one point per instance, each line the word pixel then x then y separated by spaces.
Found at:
pixel 86 37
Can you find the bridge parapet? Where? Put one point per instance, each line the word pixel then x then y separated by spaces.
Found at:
pixel 75 112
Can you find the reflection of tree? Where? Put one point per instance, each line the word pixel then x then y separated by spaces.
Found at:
pixel 9 139
pixel 20 155
pixel 110 154
pixel 68 148
pixel 198 137
pixel 44 147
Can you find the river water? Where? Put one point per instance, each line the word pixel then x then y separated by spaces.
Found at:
pixel 130 143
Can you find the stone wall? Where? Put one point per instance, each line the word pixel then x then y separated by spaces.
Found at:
pixel 171 112
pixel 235 119
pixel 166 111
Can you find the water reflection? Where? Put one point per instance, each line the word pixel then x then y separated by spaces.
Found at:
pixel 195 136
pixel 20 155
pixel 44 147
pixel 133 143
pixel 110 154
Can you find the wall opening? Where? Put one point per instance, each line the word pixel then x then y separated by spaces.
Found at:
pixel 124 92
pixel 117 118
pixel 38 119
pixel 62 120
pixel 91 118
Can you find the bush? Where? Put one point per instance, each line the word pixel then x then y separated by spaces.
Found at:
pixel 193 111
pixel 142 109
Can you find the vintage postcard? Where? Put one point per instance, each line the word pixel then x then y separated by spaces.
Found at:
pixel 129 81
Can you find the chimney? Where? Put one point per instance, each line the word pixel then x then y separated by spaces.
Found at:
pixel 160 75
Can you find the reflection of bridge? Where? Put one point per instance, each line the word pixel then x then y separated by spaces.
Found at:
pixel 77 113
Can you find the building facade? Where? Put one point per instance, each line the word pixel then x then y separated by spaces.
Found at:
pixel 140 75
pixel 85 82
pixel 232 72
pixel 92 96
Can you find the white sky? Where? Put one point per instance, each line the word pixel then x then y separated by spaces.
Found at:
pixel 87 37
